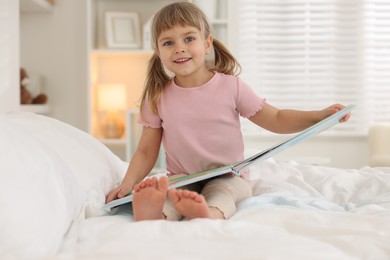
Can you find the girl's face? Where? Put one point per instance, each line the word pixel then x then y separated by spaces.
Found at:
pixel 182 50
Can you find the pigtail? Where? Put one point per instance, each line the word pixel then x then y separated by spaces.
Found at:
pixel 224 60
pixel 156 80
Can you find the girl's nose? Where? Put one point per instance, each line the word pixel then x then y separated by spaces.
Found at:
pixel 180 49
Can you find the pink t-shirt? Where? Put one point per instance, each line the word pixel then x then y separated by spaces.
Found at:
pixel 201 127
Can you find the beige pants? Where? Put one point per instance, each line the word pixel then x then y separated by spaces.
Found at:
pixel 221 192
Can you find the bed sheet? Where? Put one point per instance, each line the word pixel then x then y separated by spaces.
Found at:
pixel 297 212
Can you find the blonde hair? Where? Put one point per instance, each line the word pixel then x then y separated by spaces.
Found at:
pixel 183 14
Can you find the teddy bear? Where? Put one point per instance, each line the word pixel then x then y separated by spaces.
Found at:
pixel 26 96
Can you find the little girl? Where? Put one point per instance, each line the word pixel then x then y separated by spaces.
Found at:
pixel 195 115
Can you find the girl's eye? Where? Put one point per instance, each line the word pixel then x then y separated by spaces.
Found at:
pixel 168 43
pixel 189 39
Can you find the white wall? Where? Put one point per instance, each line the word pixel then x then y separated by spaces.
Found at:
pixel 9 56
pixel 54 46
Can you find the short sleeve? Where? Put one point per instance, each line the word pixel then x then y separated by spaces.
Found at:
pixel 248 102
pixel 148 118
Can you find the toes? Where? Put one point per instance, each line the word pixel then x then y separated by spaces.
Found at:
pixel 145 183
pixel 199 198
pixel 159 184
pixel 153 182
pixel 189 194
pixel 163 183
pixel 193 195
pixel 175 195
pixel 185 193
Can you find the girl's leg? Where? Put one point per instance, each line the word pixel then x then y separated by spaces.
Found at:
pixel 222 194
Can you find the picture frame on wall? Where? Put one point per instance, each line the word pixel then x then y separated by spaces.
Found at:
pixel 123 30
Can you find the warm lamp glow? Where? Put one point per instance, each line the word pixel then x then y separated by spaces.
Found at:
pixel 111 99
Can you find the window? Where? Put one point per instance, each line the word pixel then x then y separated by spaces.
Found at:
pixel 308 54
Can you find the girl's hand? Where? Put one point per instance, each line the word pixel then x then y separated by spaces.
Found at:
pixel 334 109
pixel 117 193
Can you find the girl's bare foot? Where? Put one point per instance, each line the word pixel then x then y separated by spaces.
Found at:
pixel 189 203
pixel 149 197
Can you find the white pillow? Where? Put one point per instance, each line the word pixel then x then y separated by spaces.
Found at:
pixel 48 172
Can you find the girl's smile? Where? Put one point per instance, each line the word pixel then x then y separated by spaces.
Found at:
pixel 180 61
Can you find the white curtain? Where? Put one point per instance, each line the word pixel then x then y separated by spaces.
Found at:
pixel 308 54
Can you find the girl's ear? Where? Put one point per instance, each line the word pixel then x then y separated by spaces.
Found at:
pixel 209 43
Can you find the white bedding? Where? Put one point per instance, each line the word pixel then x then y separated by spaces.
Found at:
pixel 297 211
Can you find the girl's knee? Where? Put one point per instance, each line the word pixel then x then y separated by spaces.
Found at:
pixel 235 186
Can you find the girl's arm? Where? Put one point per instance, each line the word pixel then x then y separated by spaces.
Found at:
pixel 287 121
pixel 141 163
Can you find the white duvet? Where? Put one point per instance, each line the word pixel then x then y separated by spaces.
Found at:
pixel 53 181
pixel 298 212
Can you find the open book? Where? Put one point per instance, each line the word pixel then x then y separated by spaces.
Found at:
pixel 238 167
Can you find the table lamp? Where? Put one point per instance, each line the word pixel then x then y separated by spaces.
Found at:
pixel 112 99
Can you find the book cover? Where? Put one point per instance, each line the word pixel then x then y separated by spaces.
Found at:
pixel 238 167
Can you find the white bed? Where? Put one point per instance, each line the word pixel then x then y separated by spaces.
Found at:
pixel 54 179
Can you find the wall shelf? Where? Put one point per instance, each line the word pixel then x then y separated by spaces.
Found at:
pixel 36 6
